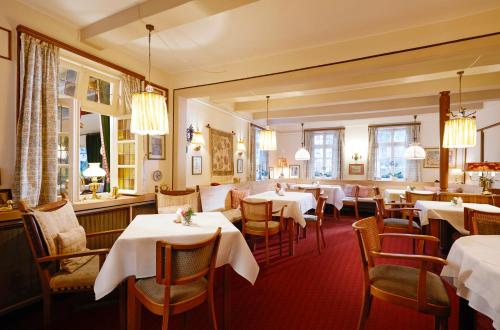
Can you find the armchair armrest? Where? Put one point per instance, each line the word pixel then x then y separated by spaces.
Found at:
pixel 411 257
pixel 412 236
pixel 72 255
pixel 106 232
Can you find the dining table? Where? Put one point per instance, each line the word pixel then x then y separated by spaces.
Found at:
pixel 474 270
pixel 134 251
pixel 295 203
pixel 334 193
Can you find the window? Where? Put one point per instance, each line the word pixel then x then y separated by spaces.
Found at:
pixel 63 151
pixel 325 155
pixel 261 157
pixel 67 82
pixel 390 145
pixel 99 91
pixel 126 156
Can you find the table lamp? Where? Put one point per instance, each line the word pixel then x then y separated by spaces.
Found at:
pixel 94 172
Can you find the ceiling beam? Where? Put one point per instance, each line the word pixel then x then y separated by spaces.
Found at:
pixel 129 24
pixel 409 89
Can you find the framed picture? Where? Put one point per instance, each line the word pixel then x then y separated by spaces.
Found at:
pixel 196 165
pixel 294 171
pixel 432 158
pixel 5 43
pixel 239 166
pixel 221 152
pixel 156 147
pixel 271 172
pixel 356 169
pixel 5 195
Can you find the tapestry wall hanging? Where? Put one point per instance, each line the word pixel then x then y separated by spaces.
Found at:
pixel 221 152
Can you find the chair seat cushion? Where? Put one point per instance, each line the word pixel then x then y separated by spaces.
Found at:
pixel 260 225
pixel 396 222
pixel 310 217
pixel 403 281
pixel 82 278
pixel 178 293
pixel 233 215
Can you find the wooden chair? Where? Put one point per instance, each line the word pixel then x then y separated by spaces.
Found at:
pixel 53 280
pixel 471 198
pixel 351 198
pixel 168 201
pixel 412 197
pixel 184 279
pixel 317 220
pixel 315 191
pixel 415 288
pixel 387 221
pixel 258 221
pixel 481 223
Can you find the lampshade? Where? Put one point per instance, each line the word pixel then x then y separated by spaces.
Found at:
pixel 414 151
pixel 94 171
pixel 149 109
pixel 460 133
pixel 149 114
pixel 282 162
pixel 483 167
pixel 198 138
pixel 267 139
pixel 302 154
pixel 241 146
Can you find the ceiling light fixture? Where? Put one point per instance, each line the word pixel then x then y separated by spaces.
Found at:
pixel 414 150
pixel 302 153
pixel 267 138
pixel 149 109
pixel 460 129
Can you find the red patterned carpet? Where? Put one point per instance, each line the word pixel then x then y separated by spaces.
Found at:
pixel 306 291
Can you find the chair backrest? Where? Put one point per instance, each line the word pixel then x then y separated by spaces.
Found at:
pixel 483 223
pixel 351 190
pixel 256 211
pixel 178 198
pixel 380 208
pixel 185 263
pixel 216 198
pixel 470 198
pixel 320 206
pixel 315 191
pixel 367 233
pixel 412 197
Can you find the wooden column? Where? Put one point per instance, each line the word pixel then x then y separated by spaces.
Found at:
pixel 444 108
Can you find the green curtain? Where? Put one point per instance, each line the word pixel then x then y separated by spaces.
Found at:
pixel 93 142
pixel 105 131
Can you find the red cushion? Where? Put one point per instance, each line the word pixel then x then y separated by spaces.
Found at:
pixel 364 191
pixel 237 196
pixel 350 190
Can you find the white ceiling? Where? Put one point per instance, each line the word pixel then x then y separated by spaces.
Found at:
pixel 265 27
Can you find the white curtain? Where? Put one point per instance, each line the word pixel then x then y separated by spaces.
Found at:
pixel 35 178
pixel 413 168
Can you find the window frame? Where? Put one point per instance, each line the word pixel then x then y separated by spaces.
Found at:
pixel 324 146
pixel 393 145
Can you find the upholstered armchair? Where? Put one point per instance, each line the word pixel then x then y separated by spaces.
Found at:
pixel 58 245
pixel 415 288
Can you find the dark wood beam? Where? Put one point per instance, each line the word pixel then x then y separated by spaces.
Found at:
pixel 444 109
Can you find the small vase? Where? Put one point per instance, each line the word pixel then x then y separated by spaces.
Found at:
pixel 187 221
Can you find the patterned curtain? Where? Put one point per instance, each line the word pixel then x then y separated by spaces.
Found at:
pixel 252 153
pixel 413 168
pixel 341 157
pixel 130 85
pixel 372 154
pixel 36 146
pixel 308 137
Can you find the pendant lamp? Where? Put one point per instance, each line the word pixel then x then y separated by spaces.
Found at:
pixel 267 139
pixel 460 129
pixel 414 150
pixel 149 109
pixel 302 153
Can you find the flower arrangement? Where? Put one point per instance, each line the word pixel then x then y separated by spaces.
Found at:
pixel 186 214
pixel 485 182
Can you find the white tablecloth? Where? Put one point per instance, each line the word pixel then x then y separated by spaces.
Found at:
pixel 297 203
pixel 392 195
pixel 134 251
pixel 334 193
pixel 454 214
pixel 474 265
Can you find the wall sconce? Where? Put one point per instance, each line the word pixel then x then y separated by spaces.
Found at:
pixel 282 163
pixel 197 141
pixel 356 156
pixel 241 147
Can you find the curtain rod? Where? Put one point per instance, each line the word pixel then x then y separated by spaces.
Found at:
pixel 397 124
pixel 63 45
pixel 324 129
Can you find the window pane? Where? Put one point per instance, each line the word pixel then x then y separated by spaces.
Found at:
pixel 329 139
pixel 328 153
pixel 67 82
pixel 126 178
pixel 62 179
pixel 126 153
pixel 400 135
pixel 124 130
pixel 383 135
pixel 318 153
pixel 99 91
pixel 318 139
pixel 63 149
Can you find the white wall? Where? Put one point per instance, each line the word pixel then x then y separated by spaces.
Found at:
pixel 199 114
pixel 14 13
